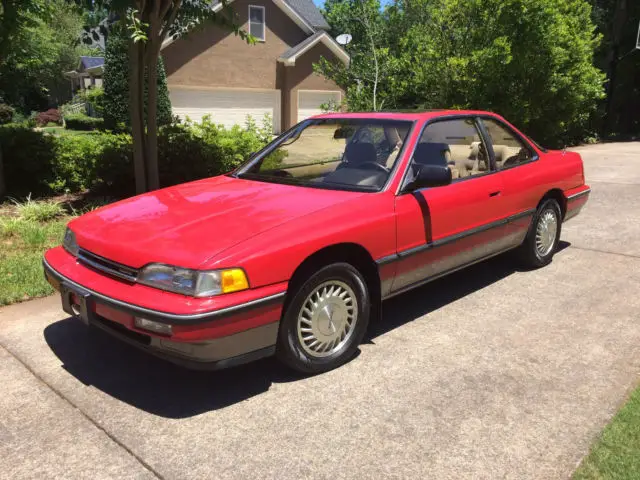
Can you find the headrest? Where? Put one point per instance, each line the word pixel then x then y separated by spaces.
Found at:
pixel 357 153
pixel 432 154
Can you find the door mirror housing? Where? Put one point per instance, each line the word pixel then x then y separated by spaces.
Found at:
pixel 429 176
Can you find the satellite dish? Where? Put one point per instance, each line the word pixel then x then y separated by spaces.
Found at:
pixel 343 39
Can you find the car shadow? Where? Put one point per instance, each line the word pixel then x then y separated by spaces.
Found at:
pixel 161 388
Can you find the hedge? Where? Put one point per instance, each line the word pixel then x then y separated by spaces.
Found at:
pixel 80 121
pixel 102 161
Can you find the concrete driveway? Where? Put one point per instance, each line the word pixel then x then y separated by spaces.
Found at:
pixel 489 373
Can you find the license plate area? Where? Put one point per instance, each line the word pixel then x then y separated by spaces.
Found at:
pixel 76 302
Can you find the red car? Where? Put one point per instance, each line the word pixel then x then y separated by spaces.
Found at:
pixel 292 253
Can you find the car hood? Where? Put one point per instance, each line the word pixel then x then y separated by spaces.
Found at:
pixel 187 224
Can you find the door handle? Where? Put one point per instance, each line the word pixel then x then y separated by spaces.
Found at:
pixel 494 194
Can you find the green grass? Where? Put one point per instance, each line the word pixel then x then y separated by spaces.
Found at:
pixel 616 453
pixel 61 131
pixel 23 239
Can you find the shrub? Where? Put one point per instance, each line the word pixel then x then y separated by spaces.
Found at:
pixel 81 160
pixel 102 161
pixel 42 211
pixel 6 113
pixel 28 157
pixel 116 84
pixel 95 100
pixel 50 116
pixel 79 121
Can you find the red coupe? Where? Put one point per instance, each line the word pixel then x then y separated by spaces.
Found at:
pixel 292 253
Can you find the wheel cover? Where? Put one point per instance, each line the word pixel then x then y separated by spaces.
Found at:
pixel 546 231
pixel 327 318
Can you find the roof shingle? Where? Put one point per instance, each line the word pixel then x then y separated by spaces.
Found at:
pixel 91 62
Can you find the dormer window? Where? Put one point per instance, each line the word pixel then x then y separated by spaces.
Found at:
pixel 256 22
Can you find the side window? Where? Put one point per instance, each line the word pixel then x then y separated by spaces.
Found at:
pixel 453 143
pixel 508 148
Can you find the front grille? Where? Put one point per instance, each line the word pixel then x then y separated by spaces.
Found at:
pixel 103 265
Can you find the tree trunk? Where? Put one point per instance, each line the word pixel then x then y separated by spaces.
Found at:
pixel 136 107
pixel 152 54
pixel 619 19
pixel 153 176
pixel 2 185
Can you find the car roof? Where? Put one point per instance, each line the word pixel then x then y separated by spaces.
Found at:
pixel 410 115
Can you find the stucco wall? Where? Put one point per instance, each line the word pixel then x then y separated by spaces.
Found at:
pixel 213 57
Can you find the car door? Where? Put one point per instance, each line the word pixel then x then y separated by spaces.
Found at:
pixel 444 228
pixel 515 162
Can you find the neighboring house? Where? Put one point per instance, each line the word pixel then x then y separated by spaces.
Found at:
pixel 212 71
pixel 88 74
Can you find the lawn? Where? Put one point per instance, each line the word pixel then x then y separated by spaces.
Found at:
pixel 61 131
pixel 26 231
pixel 616 453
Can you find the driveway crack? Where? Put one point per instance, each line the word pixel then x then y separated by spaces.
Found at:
pixel 91 420
pixel 628 255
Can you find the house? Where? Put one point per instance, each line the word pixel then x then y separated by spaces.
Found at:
pixel 212 71
pixel 88 74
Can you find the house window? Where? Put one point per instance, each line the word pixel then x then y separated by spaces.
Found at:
pixel 256 22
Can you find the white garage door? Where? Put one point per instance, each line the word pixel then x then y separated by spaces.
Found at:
pixel 227 106
pixel 309 102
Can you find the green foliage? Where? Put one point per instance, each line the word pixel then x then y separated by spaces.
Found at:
pixel 616 454
pixel 81 159
pixel 39 211
pixel 95 98
pixel 116 84
pixel 79 121
pixel 529 60
pixel 28 158
pixel 37 227
pixel 6 113
pixel 617 21
pixel 102 161
pixel 116 80
pixel 38 50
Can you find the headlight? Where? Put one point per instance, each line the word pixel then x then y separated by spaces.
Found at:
pixel 69 242
pixel 195 283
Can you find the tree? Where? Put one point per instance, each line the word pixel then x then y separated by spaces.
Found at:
pixel 617 21
pixel 14 16
pixel 150 23
pixel 530 60
pixel 371 66
pixel 116 84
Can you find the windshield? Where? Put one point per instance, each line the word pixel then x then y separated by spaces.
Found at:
pixel 339 153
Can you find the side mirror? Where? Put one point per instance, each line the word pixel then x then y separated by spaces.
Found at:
pixel 429 176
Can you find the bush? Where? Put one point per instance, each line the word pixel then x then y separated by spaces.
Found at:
pixel 95 100
pixel 6 113
pixel 44 211
pixel 116 84
pixel 50 116
pixel 103 161
pixel 79 121
pixel 28 158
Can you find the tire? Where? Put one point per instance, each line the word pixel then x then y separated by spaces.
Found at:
pixel 325 320
pixel 535 251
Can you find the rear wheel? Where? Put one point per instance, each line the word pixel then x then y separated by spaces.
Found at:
pixel 542 239
pixel 325 320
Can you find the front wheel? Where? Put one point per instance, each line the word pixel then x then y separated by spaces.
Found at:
pixel 543 237
pixel 325 321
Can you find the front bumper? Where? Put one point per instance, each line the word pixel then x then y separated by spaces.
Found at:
pixel 220 340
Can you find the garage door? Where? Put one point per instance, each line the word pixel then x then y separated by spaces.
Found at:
pixel 227 106
pixel 309 102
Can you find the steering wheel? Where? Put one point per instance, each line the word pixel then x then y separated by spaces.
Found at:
pixel 373 166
